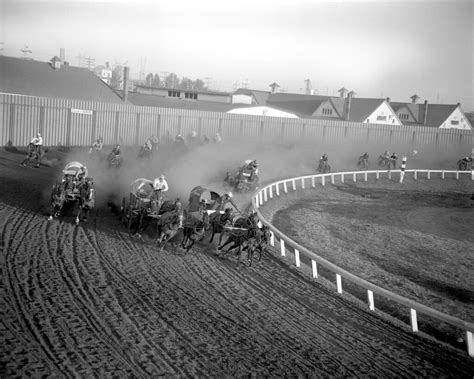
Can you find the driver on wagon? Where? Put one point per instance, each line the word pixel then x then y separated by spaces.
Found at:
pixel 225 199
pixel 160 184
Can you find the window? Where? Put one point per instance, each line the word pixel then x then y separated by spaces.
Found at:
pixel 327 111
pixel 174 94
pixel 454 122
pixel 190 95
pixel 403 116
pixel 381 118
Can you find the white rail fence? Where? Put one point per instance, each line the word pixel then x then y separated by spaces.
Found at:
pixel 275 189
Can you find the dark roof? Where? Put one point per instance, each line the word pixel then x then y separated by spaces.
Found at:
pixel 167 102
pixel 302 107
pixel 259 96
pixel 363 108
pixel 436 115
pixel 34 78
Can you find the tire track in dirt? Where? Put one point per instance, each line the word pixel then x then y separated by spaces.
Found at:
pixel 179 301
pixel 142 302
pixel 102 345
pixel 19 301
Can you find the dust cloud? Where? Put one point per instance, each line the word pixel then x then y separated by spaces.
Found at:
pixel 207 165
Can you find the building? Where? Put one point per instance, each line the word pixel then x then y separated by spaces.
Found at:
pixel 104 72
pixel 53 79
pixel 262 111
pixel 178 93
pixel 250 96
pixel 444 116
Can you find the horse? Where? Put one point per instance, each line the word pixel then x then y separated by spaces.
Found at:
pixel 194 230
pixel 145 152
pixel 218 221
pixel 168 224
pixel 324 166
pixel 58 198
pixel 67 192
pixel 114 160
pixel 32 154
pixel 363 163
pixel 86 199
pixel 384 161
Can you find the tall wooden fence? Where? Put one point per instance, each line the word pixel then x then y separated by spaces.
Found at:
pixel 78 123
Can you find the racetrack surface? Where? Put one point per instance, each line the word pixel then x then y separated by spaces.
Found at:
pixel 90 301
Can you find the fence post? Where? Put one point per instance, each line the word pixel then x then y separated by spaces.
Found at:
pixel 68 127
pixel 293 182
pixel 272 238
pixel 257 204
pixel 342 177
pixel 284 187
pixel 261 197
pixel 389 174
pixel 271 191
pixel 313 181
pixel 377 175
pixel 332 178
pixel 282 247
pixel 457 175
pixel 322 180
pixel 315 269
pixel 429 174
pixel 278 189
pixel 470 343
pixel 415 175
pixel 365 176
pixel 413 320
pixel 265 194
pixel 137 128
pixel 11 126
pixel 370 299
pixel 442 174
pixel 354 176
pixel 297 258
pixel 339 283
pixel 302 183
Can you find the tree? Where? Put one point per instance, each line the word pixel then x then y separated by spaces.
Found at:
pixel 187 84
pixel 149 79
pixel 156 80
pixel 199 85
pixel 172 81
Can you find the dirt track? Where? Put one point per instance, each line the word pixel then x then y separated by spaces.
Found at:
pixel 90 301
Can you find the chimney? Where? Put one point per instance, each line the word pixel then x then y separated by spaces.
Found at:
pixel 348 103
pixel 62 54
pixel 125 84
pixel 342 92
pixel 414 98
pixel 425 115
pixel 388 100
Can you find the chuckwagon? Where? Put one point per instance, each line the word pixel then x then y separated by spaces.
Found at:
pixel 244 179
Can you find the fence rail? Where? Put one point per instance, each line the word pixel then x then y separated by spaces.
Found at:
pixel 77 123
pixel 268 192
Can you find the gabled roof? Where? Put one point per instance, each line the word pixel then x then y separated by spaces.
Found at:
pixel 303 107
pixel 35 78
pixel 363 108
pixel 141 99
pixel 259 96
pixel 436 115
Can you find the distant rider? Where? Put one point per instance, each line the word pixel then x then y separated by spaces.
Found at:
pixel 38 143
pixel 393 159
pixel 96 146
pixel 253 167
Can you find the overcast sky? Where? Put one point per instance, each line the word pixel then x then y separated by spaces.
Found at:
pixel 376 48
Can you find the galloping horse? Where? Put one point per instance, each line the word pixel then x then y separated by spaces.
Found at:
pixel 218 221
pixel 32 154
pixel 194 230
pixel 67 191
pixel 169 223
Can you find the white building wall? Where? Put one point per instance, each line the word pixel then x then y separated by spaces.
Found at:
pixel 457 120
pixel 241 99
pixel 383 115
pixel 262 111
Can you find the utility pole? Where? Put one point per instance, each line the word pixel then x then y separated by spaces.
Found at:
pixel 25 51
pixel 89 62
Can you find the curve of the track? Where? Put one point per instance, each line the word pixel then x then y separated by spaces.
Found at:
pixel 92 301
